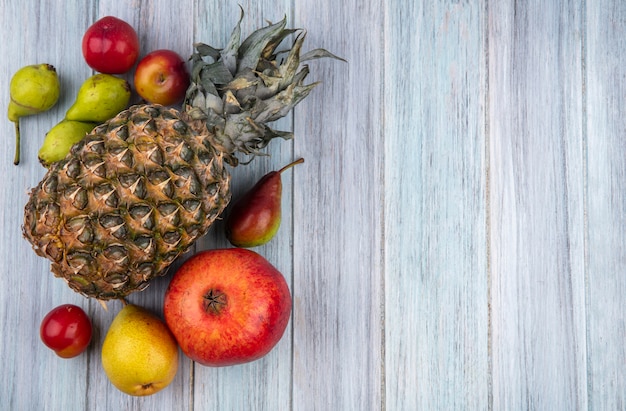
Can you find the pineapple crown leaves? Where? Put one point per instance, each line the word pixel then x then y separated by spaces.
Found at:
pixel 238 89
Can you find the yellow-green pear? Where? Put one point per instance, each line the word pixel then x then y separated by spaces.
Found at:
pixel 61 138
pixel 139 353
pixel 100 97
pixel 33 89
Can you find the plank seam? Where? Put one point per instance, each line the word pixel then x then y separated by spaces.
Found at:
pixel 584 132
pixel 292 360
pixel 383 292
pixel 487 177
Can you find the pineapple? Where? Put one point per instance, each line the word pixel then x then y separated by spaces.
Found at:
pixel 136 192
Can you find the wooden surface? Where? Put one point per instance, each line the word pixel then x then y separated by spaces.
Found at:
pixel 455 239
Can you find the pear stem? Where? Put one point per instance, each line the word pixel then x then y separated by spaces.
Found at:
pixel 16 160
pixel 103 304
pixel 293 163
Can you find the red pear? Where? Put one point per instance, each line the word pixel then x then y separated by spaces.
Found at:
pixel 254 219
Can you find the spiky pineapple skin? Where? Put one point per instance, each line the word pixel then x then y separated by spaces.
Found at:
pixel 128 199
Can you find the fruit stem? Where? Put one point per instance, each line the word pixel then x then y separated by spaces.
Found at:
pixel 293 163
pixel 16 160
pixel 103 304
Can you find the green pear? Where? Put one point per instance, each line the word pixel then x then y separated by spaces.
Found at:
pixel 34 89
pixel 254 219
pixel 61 138
pixel 100 97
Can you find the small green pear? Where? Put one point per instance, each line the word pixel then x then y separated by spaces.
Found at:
pixel 254 219
pixel 34 89
pixel 100 97
pixel 61 138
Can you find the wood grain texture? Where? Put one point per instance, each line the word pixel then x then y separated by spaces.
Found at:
pixel 537 206
pixel 338 213
pixel 454 239
pixel 28 289
pixel 606 204
pixel 436 308
pixel 263 384
pixel 154 27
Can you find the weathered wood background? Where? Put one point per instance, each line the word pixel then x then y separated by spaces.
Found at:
pixel 454 240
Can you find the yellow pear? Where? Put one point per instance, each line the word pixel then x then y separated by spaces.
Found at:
pixel 139 353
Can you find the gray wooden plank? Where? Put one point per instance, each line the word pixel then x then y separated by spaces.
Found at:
pixel 338 206
pixel 264 384
pixel 154 25
pixel 537 205
pixel 35 378
pixel 606 203
pixel 436 317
